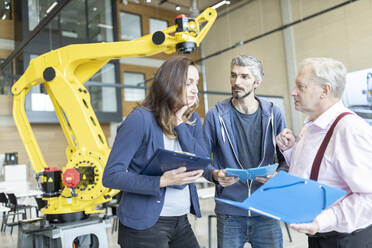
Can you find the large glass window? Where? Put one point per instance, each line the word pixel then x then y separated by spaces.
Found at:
pixel 157 24
pixel 37 10
pixel 134 79
pixel 80 21
pixel 86 20
pixel 100 26
pixel 5 80
pixel 130 26
pixel 103 99
pixel 73 20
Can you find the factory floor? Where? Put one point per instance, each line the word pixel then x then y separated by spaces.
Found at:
pixel 200 227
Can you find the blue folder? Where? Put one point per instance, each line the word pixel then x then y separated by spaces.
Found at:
pixel 164 160
pixel 251 174
pixel 290 199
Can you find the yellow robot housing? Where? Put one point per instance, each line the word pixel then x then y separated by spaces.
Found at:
pixel 76 190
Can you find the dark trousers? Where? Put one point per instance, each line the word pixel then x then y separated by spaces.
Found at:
pixel 358 239
pixel 168 232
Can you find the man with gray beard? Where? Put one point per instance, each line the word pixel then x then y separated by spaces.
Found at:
pixel 240 133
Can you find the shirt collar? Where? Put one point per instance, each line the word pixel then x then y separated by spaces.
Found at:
pixel 327 118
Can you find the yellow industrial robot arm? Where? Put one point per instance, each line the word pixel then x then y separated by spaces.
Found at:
pixel 63 72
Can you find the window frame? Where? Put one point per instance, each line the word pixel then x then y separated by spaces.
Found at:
pixel 140 23
pixel 1 86
pixel 124 83
pixel 155 18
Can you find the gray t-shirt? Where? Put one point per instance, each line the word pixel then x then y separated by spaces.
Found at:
pixel 248 131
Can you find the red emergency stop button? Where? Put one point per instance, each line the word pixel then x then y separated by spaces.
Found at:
pixel 71 178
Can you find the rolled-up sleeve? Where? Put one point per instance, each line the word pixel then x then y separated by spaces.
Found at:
pixel 352 157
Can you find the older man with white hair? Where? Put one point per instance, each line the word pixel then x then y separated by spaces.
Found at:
pixel 334 148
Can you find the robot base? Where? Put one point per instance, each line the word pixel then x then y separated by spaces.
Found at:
pixel 66 218
pixel 90 232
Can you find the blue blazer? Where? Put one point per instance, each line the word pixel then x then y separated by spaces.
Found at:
pixel 137 138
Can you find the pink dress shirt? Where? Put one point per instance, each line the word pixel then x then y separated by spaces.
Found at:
pixel 347 164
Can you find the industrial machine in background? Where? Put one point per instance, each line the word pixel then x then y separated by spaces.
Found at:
pixel 365 110
pixel 368 92
pixel 74 192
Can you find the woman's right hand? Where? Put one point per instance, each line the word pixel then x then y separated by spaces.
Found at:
pixel 179 177
pixel 180 113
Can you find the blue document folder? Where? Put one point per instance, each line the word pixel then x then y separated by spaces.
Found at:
pixel 164 160
pixel 290 199
pixel 251 174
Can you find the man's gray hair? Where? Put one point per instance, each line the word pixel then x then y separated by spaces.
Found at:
pixel 328 70
pixel 252 62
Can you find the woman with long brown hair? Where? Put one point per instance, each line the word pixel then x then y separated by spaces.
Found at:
pixel 153 210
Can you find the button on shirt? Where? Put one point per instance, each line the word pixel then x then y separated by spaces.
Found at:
pixel 347 164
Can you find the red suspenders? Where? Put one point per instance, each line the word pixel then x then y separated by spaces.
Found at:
pixel 323 147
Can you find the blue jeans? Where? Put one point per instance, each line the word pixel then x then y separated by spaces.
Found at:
pixel 259 231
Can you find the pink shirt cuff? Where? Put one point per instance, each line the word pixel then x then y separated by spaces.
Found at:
pixel 327 220
pixel 287 155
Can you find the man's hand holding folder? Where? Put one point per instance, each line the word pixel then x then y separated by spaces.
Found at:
pixel 261 174
pixel 291 199
pixel 230 176
pixel 222 179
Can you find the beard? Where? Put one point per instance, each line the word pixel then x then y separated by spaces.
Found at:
pixel 237 95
